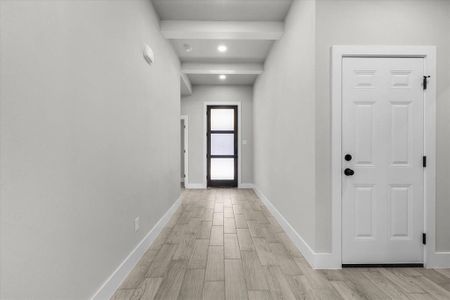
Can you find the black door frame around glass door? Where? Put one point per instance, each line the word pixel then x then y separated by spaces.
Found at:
pixel 209 156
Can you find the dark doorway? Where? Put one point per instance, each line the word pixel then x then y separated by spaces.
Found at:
pixel 222 145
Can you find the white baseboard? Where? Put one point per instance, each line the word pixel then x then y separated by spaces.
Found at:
pixel 315 259
pixel 246 186
pixel 108 288
pixel 438 260
pixel 195 186
pixel 298 241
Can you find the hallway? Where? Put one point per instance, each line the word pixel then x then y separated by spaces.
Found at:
pixel 224 149
pixel 225 244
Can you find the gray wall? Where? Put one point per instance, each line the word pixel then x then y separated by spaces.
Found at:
pixel 284 123
pixel 89 140
pixel 394 22
pixel 193 107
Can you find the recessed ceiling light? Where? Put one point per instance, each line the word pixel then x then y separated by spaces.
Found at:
pixel 222 77
pixel 187 47
pixel 222 48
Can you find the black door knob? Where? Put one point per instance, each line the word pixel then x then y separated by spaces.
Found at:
pixel 348 157
pixel 349 172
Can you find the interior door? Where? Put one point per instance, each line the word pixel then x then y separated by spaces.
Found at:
pixel 222 146
pixel 382 146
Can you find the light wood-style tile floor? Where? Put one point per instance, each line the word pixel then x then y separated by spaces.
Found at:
pixel 224 244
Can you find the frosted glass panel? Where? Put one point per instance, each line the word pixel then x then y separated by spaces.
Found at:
pixel 222 144
pixel 222 119
pixel 222 168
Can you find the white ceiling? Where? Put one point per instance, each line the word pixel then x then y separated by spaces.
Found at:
pixel 222 10
pixel 239 51
pixel 211 79
pixel 247 27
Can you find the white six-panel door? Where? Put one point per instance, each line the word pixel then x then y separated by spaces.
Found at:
pixel 383 202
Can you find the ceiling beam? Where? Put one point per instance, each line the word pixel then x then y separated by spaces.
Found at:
pixel 201 30
pixel 226 69
pixel 185 85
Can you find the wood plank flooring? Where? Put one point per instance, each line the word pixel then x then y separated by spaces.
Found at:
pixel 224 244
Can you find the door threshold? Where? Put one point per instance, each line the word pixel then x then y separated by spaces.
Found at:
pixel 407 265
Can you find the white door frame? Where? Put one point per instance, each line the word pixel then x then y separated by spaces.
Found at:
pixel 431 258
pixel 205 120
pixel 185 118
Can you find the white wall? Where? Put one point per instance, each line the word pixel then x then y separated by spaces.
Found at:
pixel 284 123
pixel 89 140
pixel 193 107
pixel 394 22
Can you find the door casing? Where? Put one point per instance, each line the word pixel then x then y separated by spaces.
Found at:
pixel 431 258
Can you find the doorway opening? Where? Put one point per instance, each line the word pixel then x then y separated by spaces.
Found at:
pixel 222 145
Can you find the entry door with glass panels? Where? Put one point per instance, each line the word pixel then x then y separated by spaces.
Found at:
pixel 222 146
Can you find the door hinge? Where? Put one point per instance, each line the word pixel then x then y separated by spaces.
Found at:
pixel 424 161
pixel 425 82
pixel 424 238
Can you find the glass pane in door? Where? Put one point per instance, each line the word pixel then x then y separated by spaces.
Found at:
pixel 222 168
pixel 222 119
pixel 222 144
